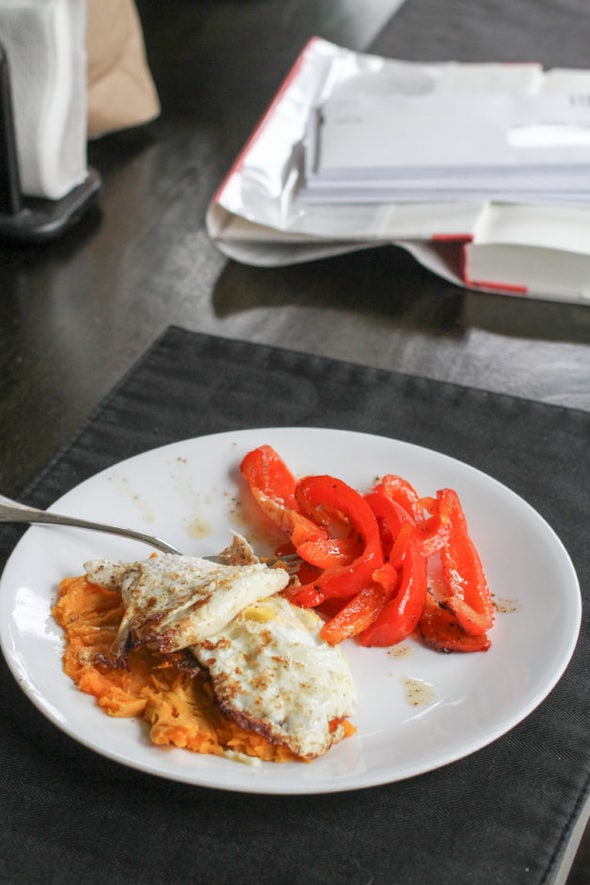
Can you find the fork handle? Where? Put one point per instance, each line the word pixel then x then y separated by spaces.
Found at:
pixel 12 511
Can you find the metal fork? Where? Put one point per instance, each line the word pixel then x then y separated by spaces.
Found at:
pixel 12 511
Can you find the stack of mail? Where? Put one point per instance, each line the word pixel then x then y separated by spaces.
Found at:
pixel 480 170
pixel 444 146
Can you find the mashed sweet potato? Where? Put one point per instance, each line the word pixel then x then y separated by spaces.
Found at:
pixel 177 705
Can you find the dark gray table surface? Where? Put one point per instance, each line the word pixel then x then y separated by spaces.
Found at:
pixel 75 314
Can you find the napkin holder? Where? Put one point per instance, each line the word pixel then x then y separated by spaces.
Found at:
pixel 32 218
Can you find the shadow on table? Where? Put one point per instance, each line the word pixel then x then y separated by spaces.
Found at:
pixel 388 282
pixel 384 282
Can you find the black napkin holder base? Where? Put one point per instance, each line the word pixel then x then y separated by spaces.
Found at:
pixel 32 218
pixel 39 219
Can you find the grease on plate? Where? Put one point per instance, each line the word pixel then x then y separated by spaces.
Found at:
pixel 126 488
pixel 400 651
pixel 506 606
pixel 418 692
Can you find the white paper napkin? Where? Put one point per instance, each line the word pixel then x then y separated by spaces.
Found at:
pixel 44 41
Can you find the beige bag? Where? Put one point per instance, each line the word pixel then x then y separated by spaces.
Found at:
pixel 121 91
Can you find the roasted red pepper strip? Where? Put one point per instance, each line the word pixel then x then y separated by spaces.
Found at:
pixel 387 577
pixel 440 630
pixel 330 552
pixel 400 614
pixel 434 530
pixel 355 616
pixel 391 518
pixel 469 597
pixel 398 489
pixel 316 492
pixel 273 486
pixel 308 595
pixel 374 554
pixel 400 547
pixel 266 472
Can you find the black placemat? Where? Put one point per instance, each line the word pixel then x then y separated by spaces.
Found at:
pixel 502 815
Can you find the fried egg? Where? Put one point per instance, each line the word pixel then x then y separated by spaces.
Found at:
pixel 271 672
pixel 173 601
pixel 269 668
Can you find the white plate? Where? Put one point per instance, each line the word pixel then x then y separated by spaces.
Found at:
pixel 188 493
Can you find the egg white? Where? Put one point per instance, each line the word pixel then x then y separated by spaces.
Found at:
pixel 272 672
pixel 270 669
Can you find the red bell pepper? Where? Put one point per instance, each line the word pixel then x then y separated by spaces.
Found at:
pixel 330 552
pixel 398 489
pixel 434 530
pixel 365 559
pixel 469 597
pixel 355 616
pixel 321 497
pixel 266 473
pixel 400 615
pixel 273 486
pixel 391 518
pixel 441 630
pixel 387 577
